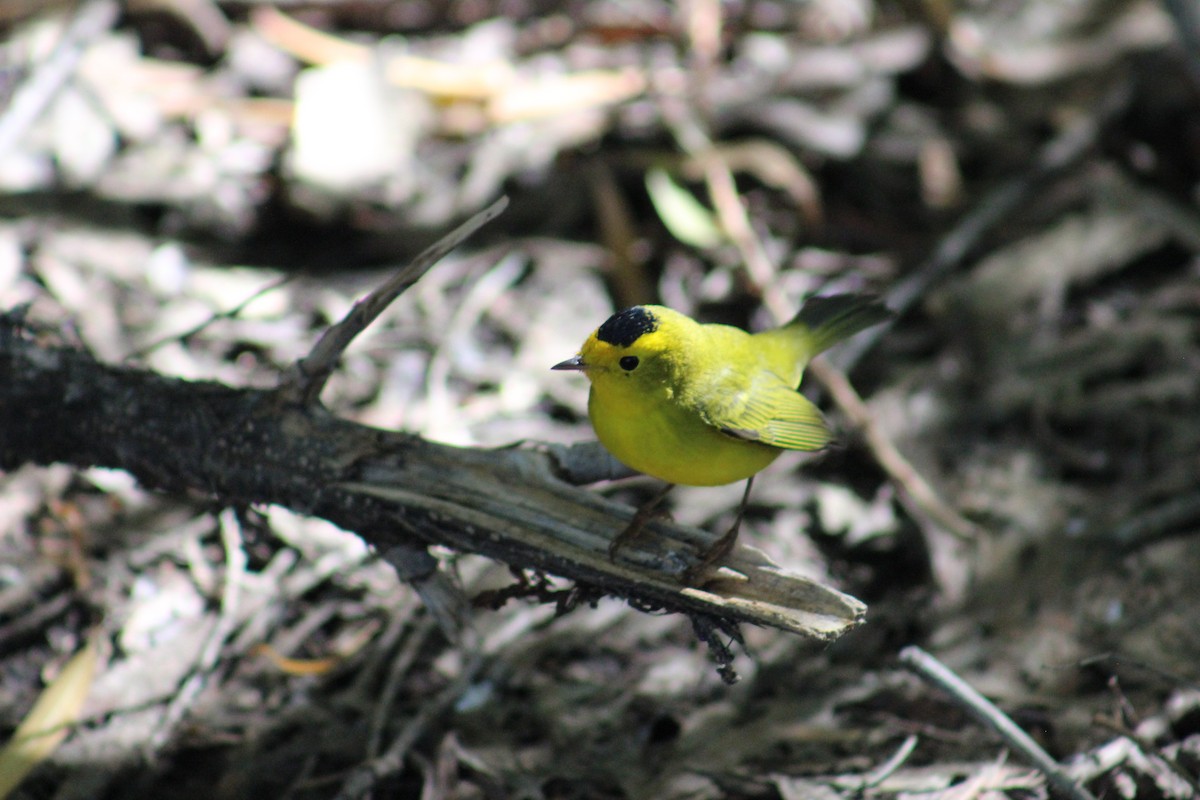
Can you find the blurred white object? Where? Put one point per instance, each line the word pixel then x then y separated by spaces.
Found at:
pixel 84 141
pixel 352 131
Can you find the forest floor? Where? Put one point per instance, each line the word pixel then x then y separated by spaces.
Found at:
pixel 200 189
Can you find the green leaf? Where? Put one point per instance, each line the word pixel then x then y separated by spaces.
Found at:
pixel 682 214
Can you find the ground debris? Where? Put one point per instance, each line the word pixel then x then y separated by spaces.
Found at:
pixel 208 186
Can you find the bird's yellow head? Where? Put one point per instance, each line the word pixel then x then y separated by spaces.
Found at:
pixel 643 345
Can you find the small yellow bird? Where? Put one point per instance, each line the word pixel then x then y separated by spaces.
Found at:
pixel 706 404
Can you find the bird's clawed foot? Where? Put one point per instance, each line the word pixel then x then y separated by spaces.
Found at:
pixel 646 512
pixel 720 548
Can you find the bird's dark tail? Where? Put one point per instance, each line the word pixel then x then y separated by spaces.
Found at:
pixel 829 320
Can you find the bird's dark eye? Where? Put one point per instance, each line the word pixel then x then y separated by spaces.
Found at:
pixel 628 363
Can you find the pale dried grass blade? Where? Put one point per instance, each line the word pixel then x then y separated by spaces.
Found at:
pixel 48 722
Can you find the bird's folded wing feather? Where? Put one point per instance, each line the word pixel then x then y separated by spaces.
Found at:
pixel 767 411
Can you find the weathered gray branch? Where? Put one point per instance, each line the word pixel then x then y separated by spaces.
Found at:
pixel 247 446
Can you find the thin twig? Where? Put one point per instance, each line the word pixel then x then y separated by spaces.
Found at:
pixel 937 674
pixel 305 380
pixel 1151 753
pixel 1186 16
pixel 885 770
pixel 227 620
pixel 196 329
pixel 1117 662
pixel 34 96
pixel 398 670
pixel 1173 517
pixel 365 778
pixel 912 484
pixel 731 213
pixel 869 780
pixel 1059 154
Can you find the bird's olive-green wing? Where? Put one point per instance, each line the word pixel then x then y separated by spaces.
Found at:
pixel 768 410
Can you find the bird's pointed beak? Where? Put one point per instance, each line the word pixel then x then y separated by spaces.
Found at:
pixel 573 363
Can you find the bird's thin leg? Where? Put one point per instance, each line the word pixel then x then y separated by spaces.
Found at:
pixel 645 513
pixel 722 546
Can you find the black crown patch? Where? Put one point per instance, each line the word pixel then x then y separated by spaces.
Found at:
pixel 626 327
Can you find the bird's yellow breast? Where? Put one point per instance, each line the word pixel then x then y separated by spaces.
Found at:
pixel 652 432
